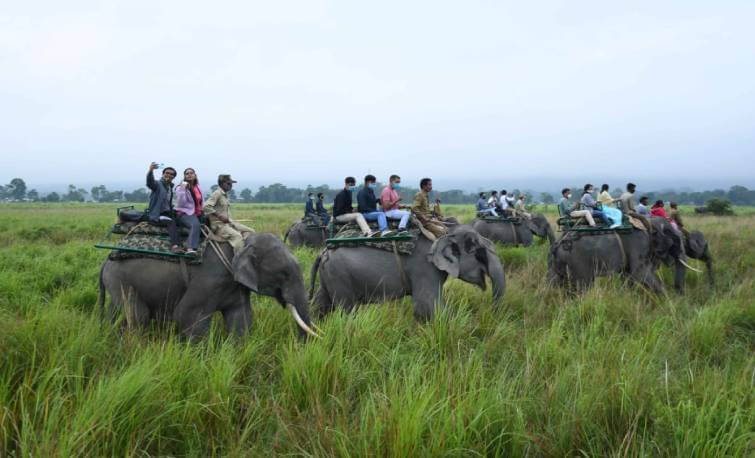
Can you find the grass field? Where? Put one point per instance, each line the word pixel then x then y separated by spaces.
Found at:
pixel 611 372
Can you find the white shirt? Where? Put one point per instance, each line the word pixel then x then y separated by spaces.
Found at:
pixel 491 201
pixel 506 202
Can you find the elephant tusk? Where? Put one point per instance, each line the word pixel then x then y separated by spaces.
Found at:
pixel 301 322
pixel 690 267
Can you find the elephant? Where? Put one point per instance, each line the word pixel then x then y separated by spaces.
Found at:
pixel 576 259
pixel 361 274
pixel 190 294
pixel 695 247
pixel 299 234
pixel 515 234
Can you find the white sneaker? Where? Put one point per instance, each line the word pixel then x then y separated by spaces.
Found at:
pixel 387 233
pixel 374 234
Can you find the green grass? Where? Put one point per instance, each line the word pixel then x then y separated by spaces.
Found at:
pixel 611 372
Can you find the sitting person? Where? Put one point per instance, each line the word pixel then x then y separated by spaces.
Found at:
pixel 658 210
pixel 320 209
pixel 605 199
pixel 570 209
pixel 218 211
pixel 309 209
pixel 367 205
pixel 676 217
pixel 482 207
pixel 343 211
pixel 628 207
pixel 390 199
pixel 160 210
pixel 519 207
pixel 493 199
pixel 189 208
pixel 506 202
pixel 589 203
pixel 642 208
pixel 429 219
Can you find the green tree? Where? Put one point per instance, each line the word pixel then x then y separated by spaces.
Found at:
pixel 32 195
pixel 16 190
pixel 246 195
pixel 719 207
pixel 52 197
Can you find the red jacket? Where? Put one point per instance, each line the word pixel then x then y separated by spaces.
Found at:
pixel 659 211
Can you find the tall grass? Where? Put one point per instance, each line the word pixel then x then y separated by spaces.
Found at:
pixel 609 372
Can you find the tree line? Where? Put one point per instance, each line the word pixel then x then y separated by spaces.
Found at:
pixel 17 190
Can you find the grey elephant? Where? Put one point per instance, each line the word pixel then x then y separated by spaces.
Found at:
pixel 190 295
pixel 301 234
pixel 577 259
pixel 695 247
pixel 358 275
pixel 509 233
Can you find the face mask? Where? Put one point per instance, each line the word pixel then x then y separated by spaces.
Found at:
pixel 396 186
pixel 568 196
pixel 372 186
pixel 312 198
pixel 352 188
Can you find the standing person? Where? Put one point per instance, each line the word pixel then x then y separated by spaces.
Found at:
pixel 642 208
pixel 482 206
pixel 423 212
pixel 320 209
pixel 160 209
pixel 367 205
pixel 343 211
pixel 589 203
pixel 189 206
pixel 390 201
pixel 218 211
pixel 570 209
pixel 676 217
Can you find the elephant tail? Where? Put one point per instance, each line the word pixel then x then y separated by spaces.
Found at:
pixel 313 274
pixel 101 294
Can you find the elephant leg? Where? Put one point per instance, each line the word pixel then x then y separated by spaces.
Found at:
pixel 135 311
pixel 647 277
pixel 192 318
pixel 323 303
pixel 679 274
pixel 238 318
pixel 426 296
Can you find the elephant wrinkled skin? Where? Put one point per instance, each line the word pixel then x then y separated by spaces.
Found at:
pixel 358 275
pixel 301 235
pixel 148 289
pixel 515 234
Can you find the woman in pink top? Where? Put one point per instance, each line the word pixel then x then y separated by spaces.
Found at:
pixel 189 207
pixel 390 199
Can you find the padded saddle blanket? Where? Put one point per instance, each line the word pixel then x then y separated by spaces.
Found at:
pixel 353 231
pixel 501 219
pixel 158 247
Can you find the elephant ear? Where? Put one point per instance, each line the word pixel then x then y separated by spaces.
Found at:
pixel 445 255
pixel 244 271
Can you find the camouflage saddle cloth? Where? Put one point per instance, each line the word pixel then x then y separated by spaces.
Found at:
pixel 153 247
pixel 353 231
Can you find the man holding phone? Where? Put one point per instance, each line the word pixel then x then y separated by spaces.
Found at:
pixel 390 199
pixel 160 210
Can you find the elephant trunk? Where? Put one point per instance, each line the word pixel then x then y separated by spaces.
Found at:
pixel 708 259
pixel 497 279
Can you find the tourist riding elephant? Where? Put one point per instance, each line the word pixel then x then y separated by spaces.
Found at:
pixel 303 234
pixel 509 233
pixel 147 288
pixel 695 247
pixel 577 258
pixel 358 275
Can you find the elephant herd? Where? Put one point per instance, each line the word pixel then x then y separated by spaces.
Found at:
pixel 146 289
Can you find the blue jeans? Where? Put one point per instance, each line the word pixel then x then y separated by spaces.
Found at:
pixel 601 215
pixel 192 222
pixel 379 217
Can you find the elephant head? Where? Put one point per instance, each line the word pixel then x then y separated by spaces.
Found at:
pixel 264 265
pixel 540 226
pixel 467 255
pixel 666 242
pixel 696 247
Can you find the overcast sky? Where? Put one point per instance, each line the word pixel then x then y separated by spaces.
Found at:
pixel 310 91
